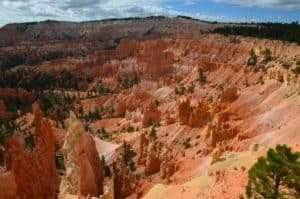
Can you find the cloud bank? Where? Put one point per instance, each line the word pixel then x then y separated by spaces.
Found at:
pixel 82 10
pixel 278 4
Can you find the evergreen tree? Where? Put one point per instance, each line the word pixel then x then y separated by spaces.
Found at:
pixel 275 176
pixel 267 55
pixel 253 59
pixel 128 154
pixel 106 168
pixel 202 78
pixel 153 133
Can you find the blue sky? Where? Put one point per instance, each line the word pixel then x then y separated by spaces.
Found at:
pixel 214 10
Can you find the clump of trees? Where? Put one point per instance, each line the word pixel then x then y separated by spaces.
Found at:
pixel 128 154
pixel 103 134
pixel 92 115
pixel 278 31
pixel 34 80
pixel 34 56
pixel 275 176
pixel 56 105
pixel 180 90
pixel 129 82
pixel 9 127
pixel 101 88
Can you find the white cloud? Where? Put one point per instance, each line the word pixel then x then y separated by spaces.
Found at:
pixel 278 4
pixel 80 10
pixel 189 2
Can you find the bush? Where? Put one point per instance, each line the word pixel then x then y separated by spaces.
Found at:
pixel 260 80
pixel 29 141
pixel 275 176
pixel 153 133
pixel 187 143
pixel 286 65
pixel 149 122
pixel 296 70
pixel 252 60
pixel 267 55
pixel 202 78
pixel 59 161
pixel 103 134
pixel 191 87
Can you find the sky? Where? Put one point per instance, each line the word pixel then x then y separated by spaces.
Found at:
pixel 14 11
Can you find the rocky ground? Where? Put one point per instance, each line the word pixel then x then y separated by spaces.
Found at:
pixel 192 112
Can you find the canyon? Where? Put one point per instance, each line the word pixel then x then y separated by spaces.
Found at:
pixel 157 111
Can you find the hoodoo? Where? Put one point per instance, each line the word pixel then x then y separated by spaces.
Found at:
pixel 152 108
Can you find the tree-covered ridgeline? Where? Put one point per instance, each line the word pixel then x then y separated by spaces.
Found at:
pixel 35 80
pixel 277 31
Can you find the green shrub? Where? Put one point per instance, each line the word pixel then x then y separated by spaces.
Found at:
pixel 260 80
pixel 153 133
pixel 187 143
pixel 296 70
pixel 149 122
pixel 202 77
pixel 252 60
pixel 29 141
pixel 286 65
pixel 267 55
pixel 191 87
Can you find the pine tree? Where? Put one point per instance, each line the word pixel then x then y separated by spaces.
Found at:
pixel 153 133
pixel 275 176
pixel 106 168
pixel 202 78
pixel 253 59
pixel 128 154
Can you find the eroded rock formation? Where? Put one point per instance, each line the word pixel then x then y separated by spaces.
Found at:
pixel 183 111
pixel 124 180
pixel 192 116
pixel 229 95
pixel 34 170
pixel 167 166
pixel 151 115
pixel 220 130
pixel 156 157
pixel 84 174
